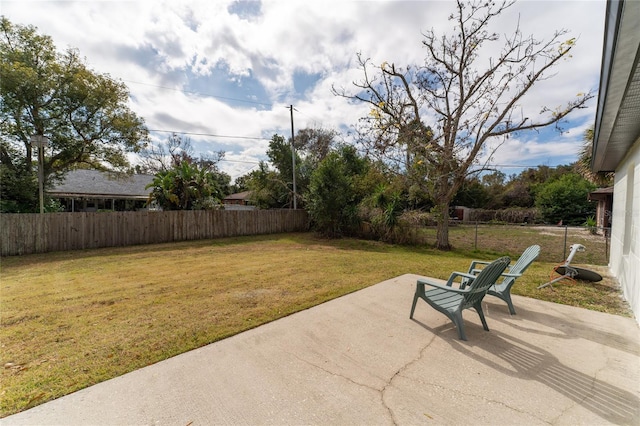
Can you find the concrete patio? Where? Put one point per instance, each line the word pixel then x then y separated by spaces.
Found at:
pixel 360 360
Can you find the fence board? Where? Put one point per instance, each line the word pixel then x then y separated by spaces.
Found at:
pixel 35 233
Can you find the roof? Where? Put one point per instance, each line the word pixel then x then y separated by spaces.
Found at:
pixel 617 124
pixel 96 184
pixel 607 190
pixel 601 193
pixel 238 196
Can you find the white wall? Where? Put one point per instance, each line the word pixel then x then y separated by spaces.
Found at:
pixel 625 228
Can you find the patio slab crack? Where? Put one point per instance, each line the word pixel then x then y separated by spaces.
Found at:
pixel 379 390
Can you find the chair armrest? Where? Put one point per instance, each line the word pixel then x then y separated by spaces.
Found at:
pixel 466 279
pixel 461 274
pixel 504 274
pixel 442 287
pixel 474 263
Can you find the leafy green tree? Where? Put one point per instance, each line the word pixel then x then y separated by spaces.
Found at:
pixel 223 182
pixel 472 194
pixel 335 192
pixel 566 199
pixel 494 185
pixel 18 185
pixel 273 188
pixel 521 190
pixel 518 194
pixel 457 101
pixel 268 190
pixel 240 184
pixel 185 187
pixel 84 114
pixel 279 154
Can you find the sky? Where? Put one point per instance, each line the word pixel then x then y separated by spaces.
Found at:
pixel 225 72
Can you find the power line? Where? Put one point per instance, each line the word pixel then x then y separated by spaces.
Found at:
pixel 522 166
pixel 209 134
pixel 199 93
pixel 239 161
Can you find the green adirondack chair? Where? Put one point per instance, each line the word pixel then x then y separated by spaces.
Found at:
pixel 502 289
pixel 451 300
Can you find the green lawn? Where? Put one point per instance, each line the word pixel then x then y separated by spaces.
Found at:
pixel 73 319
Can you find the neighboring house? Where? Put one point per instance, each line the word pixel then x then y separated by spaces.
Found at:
pixel 238 201
pixel 616 144
pixel 461 213
pixel 604 197
pixel 92 190
pixel 241 198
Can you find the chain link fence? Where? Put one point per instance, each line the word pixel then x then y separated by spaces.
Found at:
pixel 499 239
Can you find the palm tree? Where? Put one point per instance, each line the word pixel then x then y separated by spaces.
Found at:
pixel 583 165
pixel 184 187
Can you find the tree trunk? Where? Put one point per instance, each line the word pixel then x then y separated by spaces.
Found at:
pixel 442 235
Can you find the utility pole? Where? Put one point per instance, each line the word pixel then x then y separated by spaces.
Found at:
pixel 40 142
pixel 293 162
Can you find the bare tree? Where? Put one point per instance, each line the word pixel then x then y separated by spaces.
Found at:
pixel 166 155
pixel 441 115
pixel 315 142
pixel 177 149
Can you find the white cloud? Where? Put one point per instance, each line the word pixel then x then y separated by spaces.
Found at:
pixel 167 43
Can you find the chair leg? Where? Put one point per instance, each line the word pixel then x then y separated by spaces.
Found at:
pixel 456 317
pixel 419 293
pixel 478 308
pixel 507 298
pixel 413 306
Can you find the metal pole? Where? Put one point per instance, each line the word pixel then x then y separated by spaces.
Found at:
pixel 40 142
pixel 293 162
pixel 564 254
pixel 606 244
pixel 41 177
pixel 475 245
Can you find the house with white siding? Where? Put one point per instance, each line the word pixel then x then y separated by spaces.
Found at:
pixel 616 144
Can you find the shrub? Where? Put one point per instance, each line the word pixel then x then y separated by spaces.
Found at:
pixel 591 225
pixel 332 198
pixel 512 215
pixel 566 199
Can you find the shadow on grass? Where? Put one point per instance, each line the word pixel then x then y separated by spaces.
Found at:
pixel 302 239
pixel 39 258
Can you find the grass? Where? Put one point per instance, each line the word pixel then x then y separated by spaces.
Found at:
pixel 72 319
pixel 514 239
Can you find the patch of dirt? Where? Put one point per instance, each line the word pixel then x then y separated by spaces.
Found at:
pixel 572 232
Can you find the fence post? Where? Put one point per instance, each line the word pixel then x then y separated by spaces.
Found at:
pixel 566 230
pixel 475 244
pixel 607 233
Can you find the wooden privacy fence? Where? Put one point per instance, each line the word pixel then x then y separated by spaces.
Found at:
pixel 40 233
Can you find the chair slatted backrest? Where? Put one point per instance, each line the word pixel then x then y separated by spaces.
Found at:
pixel 485 279
pixel 526 258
